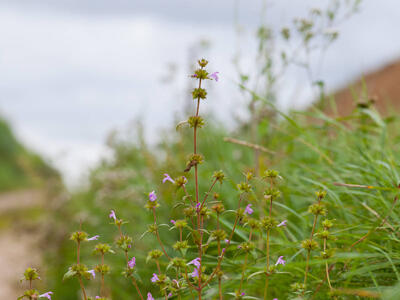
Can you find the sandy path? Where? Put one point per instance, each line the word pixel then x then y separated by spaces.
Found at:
pixel 19 243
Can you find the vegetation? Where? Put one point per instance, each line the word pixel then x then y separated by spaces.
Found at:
pixel 19 167
pixel 353 245
pixel 305 207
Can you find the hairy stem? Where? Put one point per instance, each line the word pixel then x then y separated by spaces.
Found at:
pixel 197 195
pixel 82 288
pixel 158 235
pixel 309 250
pixel 244 265
pixel 223 252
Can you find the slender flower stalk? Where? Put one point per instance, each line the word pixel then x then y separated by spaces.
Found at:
pixel 316 209
pixel 245 263
pixel 270 194
pixel 158 234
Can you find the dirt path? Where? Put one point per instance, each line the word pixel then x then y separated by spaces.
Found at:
pixel 19 239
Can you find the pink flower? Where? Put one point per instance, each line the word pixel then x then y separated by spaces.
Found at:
pixel 150 296
pixel 195 262
pixel 227 241
pixel 214 76
pixel 93 273
pixel 173 222
pixel 195 273
pixel 242 294
pixel 283 223
pixel 248 209
pixel 112 215
pixel 46 295
pixel 154 278
pixel 169 295
pixel 223 250
pixel 167 178
pixel 94 238
pixel 152 196
pixel 280 261
pixel 132 263
pixel 176 282
pixel 275 299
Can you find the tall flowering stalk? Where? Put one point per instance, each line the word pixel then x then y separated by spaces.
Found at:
pixel 317 209
pixel 102 268
pixel 79 270
pixel 195 159
pixel 268 223
pixel 327 252
pixel 30 275
pixel 124 242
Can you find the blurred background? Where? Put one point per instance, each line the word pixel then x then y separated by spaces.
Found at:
pixel 72 71
pixel 78 75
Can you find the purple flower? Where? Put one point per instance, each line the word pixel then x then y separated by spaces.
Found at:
pixel 152 196
pixel 223 250
pixel 173 222
pixel 154 278
pixel 112 215
pixel 227 241
pixel 150 296
pixel 94 238
pixel 242 294
pixel 283 223
pixel 132 263
pixel 198 205
pixel 275 299
pixel 214 76
pixel 195 273
pixel 280 261
pixel 93 273
pixel 195 262
pixel 248 209
pixel 169 295
pixel 46 295
pixel 167 178
pixel 176 282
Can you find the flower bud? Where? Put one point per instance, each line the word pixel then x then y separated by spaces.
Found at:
pixel 244 187
pixel 199 93
pixel 202 62
pixel 195 122
pixel 219 176
pixel 309 245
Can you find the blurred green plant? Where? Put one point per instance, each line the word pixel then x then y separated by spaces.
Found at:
pixel 19 167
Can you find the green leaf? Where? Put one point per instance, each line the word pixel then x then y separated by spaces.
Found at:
pixel 69 274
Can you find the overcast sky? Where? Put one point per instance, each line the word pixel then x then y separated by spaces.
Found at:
pixel 73 70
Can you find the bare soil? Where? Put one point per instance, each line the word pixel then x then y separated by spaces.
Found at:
pixel 19 240
pixel 383 86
